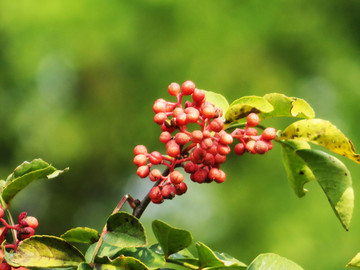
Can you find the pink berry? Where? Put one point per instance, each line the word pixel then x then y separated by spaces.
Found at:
pixel 196 136
pixel 223 149
pixel 226 139
pixel 208 111
pixel 220 158
pixel 199 176
pixel 269 134
pixel 192 114
pixel 191 167
pixel 182 138
pixel 160 118
pixel 251 132
pixel 140 160
pixel 168 191
pixel 155 175
pixel 181 119
pixel 32 221
pixel 239 149
pixel 172 148
pixel 159 105
pixel 198 155
pixel 252 120
pixel 155 158
pixel 143 171
pixel 140 149
pixel 198 95
pixel 174 89
pixel 206 143
pixel 250 146
pixel 176 177
pixel 177 111
pixel 217 124
pixel 165 136
pixel 188 88
pixel 261 147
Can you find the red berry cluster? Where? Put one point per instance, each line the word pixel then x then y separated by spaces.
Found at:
pixel 25 228
pixel 250 141
pixel 199 145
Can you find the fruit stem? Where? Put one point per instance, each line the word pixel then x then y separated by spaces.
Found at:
pixel 140 208
pixel 9 218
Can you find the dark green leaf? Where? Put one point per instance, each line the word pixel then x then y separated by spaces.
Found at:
pixel 297 171
pixel 84 266
pixel 81 235
pixel 124 230
pixel 218 100
pixel 269 261
pixel 147 256
pixel 171 239
pixel 26 173
pixel 105 253
pixel 241 107
pixel 335 180
pixel 287 106
pixel 128 263
pixel 45 252
pixel 323 133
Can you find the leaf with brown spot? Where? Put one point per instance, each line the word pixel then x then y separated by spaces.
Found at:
pixel 323 133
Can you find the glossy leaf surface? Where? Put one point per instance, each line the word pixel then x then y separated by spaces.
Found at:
pixel 81 235
pixel 270 261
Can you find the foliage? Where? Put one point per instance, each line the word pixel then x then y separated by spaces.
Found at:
pixel 123 243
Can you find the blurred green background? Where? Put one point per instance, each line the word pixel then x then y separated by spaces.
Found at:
pixel 77 83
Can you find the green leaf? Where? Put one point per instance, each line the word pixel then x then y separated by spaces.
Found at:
pixel 81 235
pixel 209 259
pixel 287 107
pixel 184 256
pixel 45 252
pixel 355 262
pixel 218 100
pixel 323 133
pixel 26 173
pixel 84 266
pixel 124 230
pixel 150 258
pixel 171 239
pixel 335 179
pixel 298 172
pixel 128 263
pixel 270 261
pixel 105 253
pixel 241 107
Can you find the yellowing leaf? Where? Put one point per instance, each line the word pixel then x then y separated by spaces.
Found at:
pixel 323 133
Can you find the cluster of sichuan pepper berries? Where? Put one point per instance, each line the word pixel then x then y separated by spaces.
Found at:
pixel 24 229
pixel 195 139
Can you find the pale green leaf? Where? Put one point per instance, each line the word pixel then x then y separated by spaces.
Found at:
pixel 270 261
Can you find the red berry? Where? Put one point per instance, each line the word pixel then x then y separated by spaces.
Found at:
pixel 208 111
pixel 252 120
pixel 198 95
pixel 188 88
pixel 155 175
pixel 180 188
pixel 140 160
pixel 221 178
pixel 5 266
pixel 250 146
pixel 140 149
pixel 1 212
pixel 159 105
pixel 172 148
pixel 32 222
pixel 160 118
pixel 198 155
pixel 214 173
pixel 168 191
pixel 182 138
pixel 177 111
pixel 165 136
pixel 251 132
pixel 143 171
pixel 174 89
pixel 269 134
pixel 155 158
pixel 181 119
pixel 191 167
pixel 199 176
pixel 261 147
pixel 223 149
pixel 176 177
pixel 220 158
pixel 239 149
pixel 206 143
pixel 208 160
pixel 155 195
pixel 192 114
pixel 26 232
pixel 226 139
pixel 196 136
pixel 217 124
pixel 270 145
